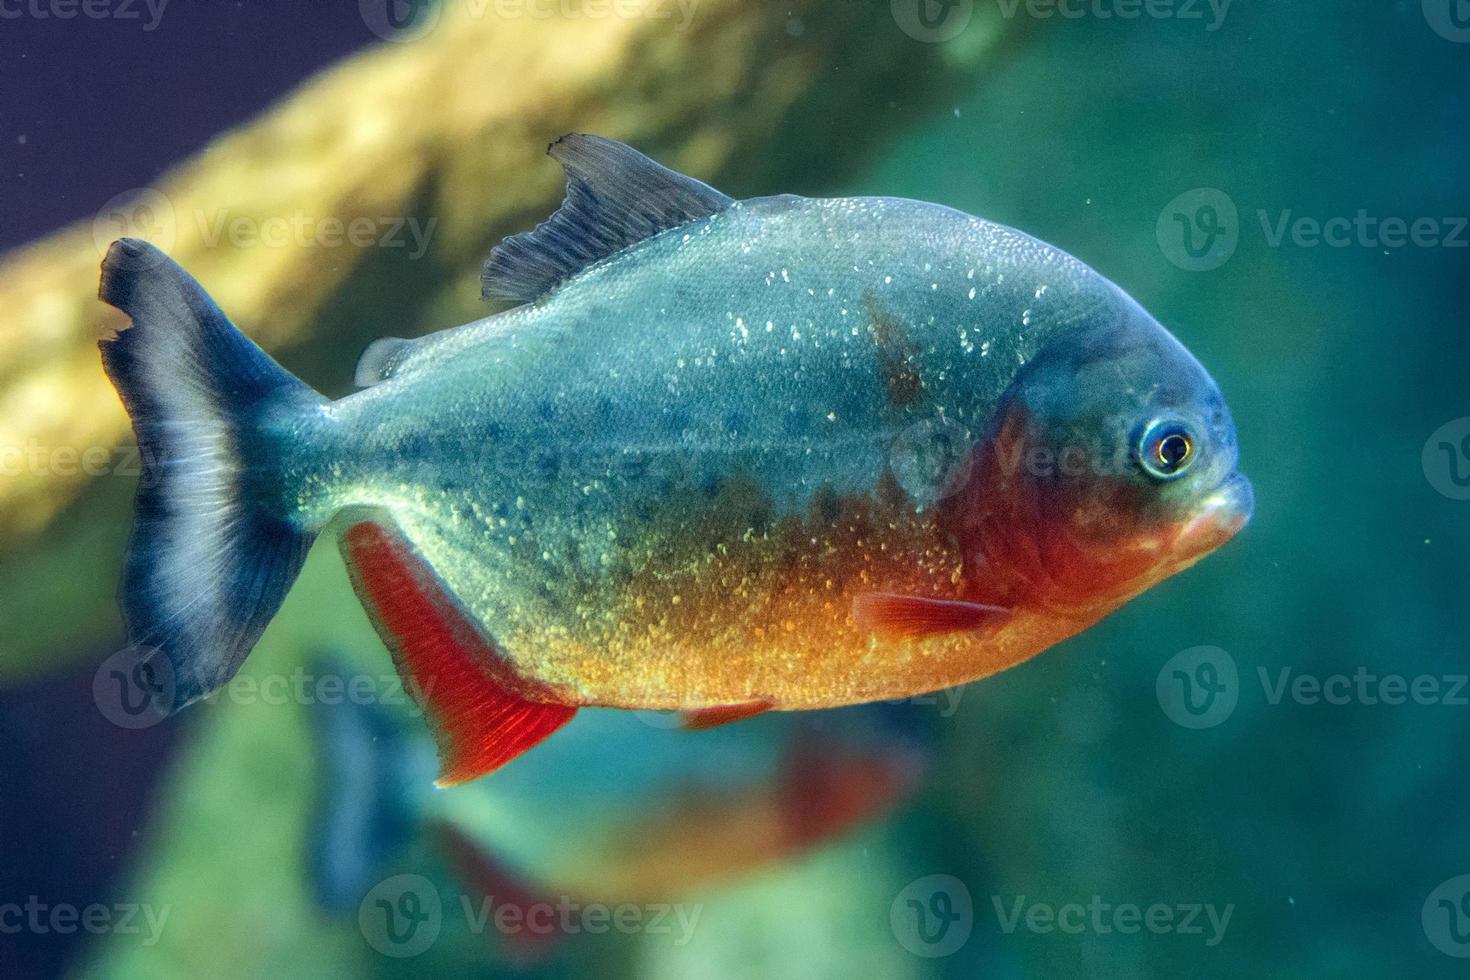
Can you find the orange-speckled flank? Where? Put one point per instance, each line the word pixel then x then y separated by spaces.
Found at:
pixel 767 614
pixel 750 610
pixel 711 601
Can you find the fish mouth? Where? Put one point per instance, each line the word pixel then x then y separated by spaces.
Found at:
pixel 1220 516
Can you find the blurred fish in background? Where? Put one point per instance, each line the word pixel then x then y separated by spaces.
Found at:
pixel 618 809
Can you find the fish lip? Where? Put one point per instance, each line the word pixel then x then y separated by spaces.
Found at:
pixel 1221 515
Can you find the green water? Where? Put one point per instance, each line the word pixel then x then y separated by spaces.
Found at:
pixel 1327 826
pixel 1090 823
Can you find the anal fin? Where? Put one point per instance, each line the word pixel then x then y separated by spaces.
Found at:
pixel 481 713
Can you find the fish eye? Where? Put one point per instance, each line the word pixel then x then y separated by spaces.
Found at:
pixel 1166 449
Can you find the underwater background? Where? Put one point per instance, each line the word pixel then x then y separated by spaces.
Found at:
pixel 1253 769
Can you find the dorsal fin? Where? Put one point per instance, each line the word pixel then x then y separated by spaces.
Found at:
pixel 616 197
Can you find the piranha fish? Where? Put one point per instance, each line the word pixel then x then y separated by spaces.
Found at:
pixel 724 457
pixel 612 810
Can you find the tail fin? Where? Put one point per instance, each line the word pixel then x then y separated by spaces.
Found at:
pixel 208 566
pixel 368 793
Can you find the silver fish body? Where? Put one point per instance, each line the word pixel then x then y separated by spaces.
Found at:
pixel 724 457
pixel 534 458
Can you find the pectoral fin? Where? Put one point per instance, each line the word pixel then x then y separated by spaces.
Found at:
pixel 904 616
pixel 481 713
